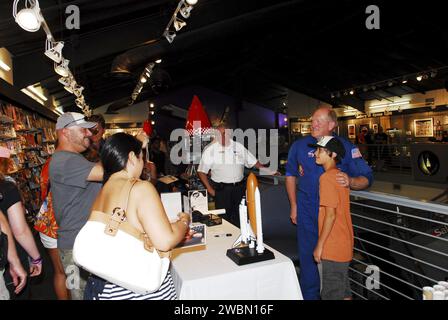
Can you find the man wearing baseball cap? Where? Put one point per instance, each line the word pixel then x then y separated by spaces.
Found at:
pixel 75 183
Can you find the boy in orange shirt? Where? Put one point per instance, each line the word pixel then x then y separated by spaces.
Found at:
pixel 334 249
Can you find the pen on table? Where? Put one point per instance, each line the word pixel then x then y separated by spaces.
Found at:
pixel 223 235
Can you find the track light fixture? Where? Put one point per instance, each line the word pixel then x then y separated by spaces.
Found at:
pixel 179 24
pixel 30 17
pixel 169 35
pixel 186 11
pixel 184 8
pixel 77 90
pixel 62 68
pixel 145 75
pixel 53 50
pixel 401 80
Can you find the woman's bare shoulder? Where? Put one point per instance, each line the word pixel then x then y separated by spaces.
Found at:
pixel 143 187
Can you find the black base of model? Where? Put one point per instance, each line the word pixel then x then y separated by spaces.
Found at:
pixel 246 255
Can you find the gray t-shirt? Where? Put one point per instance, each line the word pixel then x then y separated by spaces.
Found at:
pixel 73 195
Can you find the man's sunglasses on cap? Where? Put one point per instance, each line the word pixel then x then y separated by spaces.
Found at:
pixel 94 130
pixel 73 122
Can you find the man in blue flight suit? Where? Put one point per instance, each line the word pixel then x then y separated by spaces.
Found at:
pixel 301 166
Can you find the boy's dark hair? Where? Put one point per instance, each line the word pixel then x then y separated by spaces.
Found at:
pixel 331 144
pixel 338 157
pixel 98 118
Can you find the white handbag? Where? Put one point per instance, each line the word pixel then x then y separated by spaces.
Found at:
pixel 109 247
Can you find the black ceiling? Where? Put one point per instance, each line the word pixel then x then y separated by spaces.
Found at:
pixel 250 49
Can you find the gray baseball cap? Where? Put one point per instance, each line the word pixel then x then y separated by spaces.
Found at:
pixel 71 119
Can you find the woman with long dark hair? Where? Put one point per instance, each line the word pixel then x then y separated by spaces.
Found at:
pixel 122 161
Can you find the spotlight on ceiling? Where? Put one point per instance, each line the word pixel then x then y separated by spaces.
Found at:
pixel 169 35
pixel 404 81
pixel 62 68
pixel 419 77
pixel 159 61
pixel 77 91
pixel 332 95
pixel 433 74
pixel 186 11
pixel 65 81
pixel 30 17
pixel 390 83
pixel 179 24
pixel 425 76
pixel 192 2
pixel 352 92
pixel 53 50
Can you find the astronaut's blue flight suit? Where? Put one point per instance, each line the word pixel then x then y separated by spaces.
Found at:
pixel 302 164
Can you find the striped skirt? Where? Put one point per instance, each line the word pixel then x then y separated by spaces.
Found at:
pixel 113 292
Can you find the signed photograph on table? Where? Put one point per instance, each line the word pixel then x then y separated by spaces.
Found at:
pixel 196 236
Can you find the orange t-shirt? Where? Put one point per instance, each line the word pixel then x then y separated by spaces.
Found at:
pixel 339 244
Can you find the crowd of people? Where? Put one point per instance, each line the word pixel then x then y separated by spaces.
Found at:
pixel 86 166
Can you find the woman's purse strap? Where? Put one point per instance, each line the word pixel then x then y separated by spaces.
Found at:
pixel 118 220
pixel 118 215
pixel 126 227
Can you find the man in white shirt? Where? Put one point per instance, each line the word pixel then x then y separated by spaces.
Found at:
pixel 226 159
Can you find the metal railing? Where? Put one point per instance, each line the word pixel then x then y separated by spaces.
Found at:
pixel 387 157
pixel 401 245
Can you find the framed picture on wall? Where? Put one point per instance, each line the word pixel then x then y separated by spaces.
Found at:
pixel 424 127
pixel 375 128
pixel 362 126
pixel 295 127
pixel 352 131
pixel 305 127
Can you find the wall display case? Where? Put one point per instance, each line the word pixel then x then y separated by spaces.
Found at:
pixel 30 140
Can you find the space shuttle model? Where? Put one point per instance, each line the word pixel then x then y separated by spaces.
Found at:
pixel 249 246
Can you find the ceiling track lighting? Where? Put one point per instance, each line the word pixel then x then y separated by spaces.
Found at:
pixel 184 8
pixel 432 73
pixel 145 75
pixel 53 50
pixel 169 35
pixel 62 68
pixel 30 19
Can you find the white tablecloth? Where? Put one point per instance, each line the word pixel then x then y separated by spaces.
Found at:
pixel 209 274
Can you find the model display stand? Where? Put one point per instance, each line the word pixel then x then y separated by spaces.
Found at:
pixel 249 247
